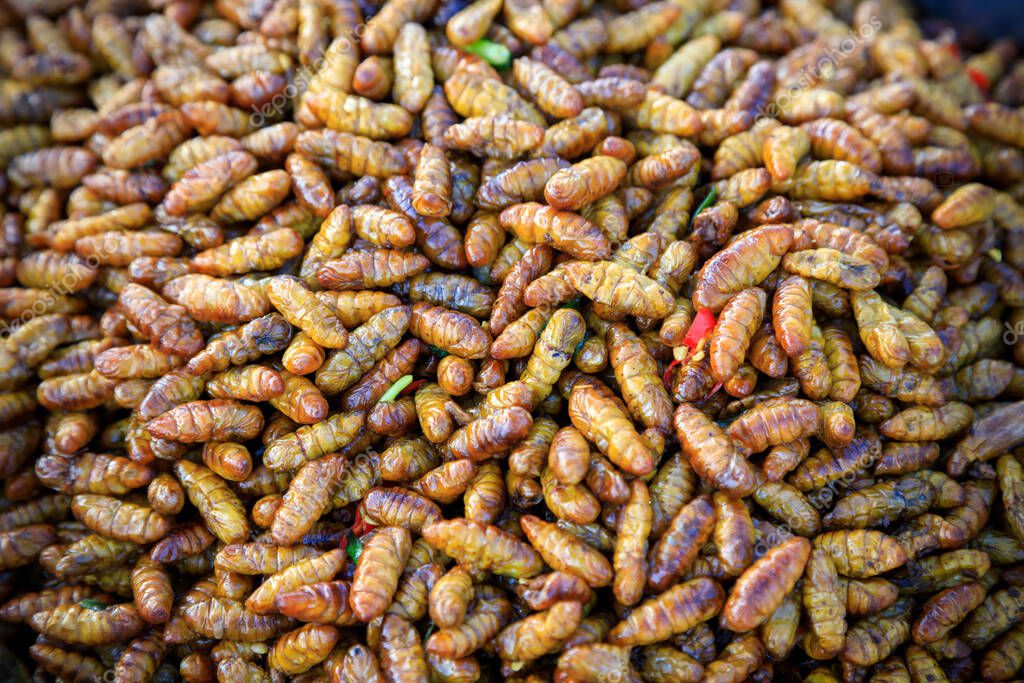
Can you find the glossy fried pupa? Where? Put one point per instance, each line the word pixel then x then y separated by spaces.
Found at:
pixel 712 454
pixel 486 547
pixel 743 263
pixel 760 590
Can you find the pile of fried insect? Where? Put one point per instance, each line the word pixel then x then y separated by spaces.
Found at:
pixel 520 340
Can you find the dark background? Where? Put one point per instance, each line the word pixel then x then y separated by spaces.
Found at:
pixel 978 20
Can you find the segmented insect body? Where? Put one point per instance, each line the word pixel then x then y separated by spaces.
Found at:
pixel 414 79
pixel 584 182
pixel 218 505
pixel 620 287
pixel 452 331
pixel 736 326
pixel 762 588
pixel 376 575
pixel 601 419
pixel 119 520
pixel 876 552
pixel 565 552
pixel 248 253
pixel 552 94
pixel 713 455
pixel 473 95
pixel 354 115
pixel 677 548
pixel 636 373
pixel 743 263
pixel 675 611
pixel 168 326
pixel 352 153
pixel 304 310
pixel 485 547
pixel 366 345
pixel 210 299
pixel 470 23
pixel 572 137
pixel 533 222
pixel 80 625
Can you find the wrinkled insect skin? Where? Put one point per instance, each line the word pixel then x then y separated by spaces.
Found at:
pixel 376 575
pixel 775 421
pixel 736 326
pixel 675 611
pixel 600 419
pixel 565 552
pixel 745 262
pixel 762 588
pixel 713 455
pixel 534 222
pixel 486 547
pixel 678 546
pixel 367 344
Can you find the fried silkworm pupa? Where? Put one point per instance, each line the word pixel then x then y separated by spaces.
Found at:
pixel 484 546
pixel 564 552
pixel 712 453
pixel 379 567
pixel 539 633
pixel 862 553
pixel 569 232
pixel 76 624
pixel 214 420
pixel 304 310
pixel 596 414
pixel 513 225
pixel 398 507
pixel 118 519
pixel 591 662
pixel 317 567
pixel 745 262
pixel 762 587
pixel 450 598
pixel 679 545
pixel 636 373
pixel 217 504
pixel 672 612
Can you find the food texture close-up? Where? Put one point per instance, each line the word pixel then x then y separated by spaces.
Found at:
pixel 536 341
